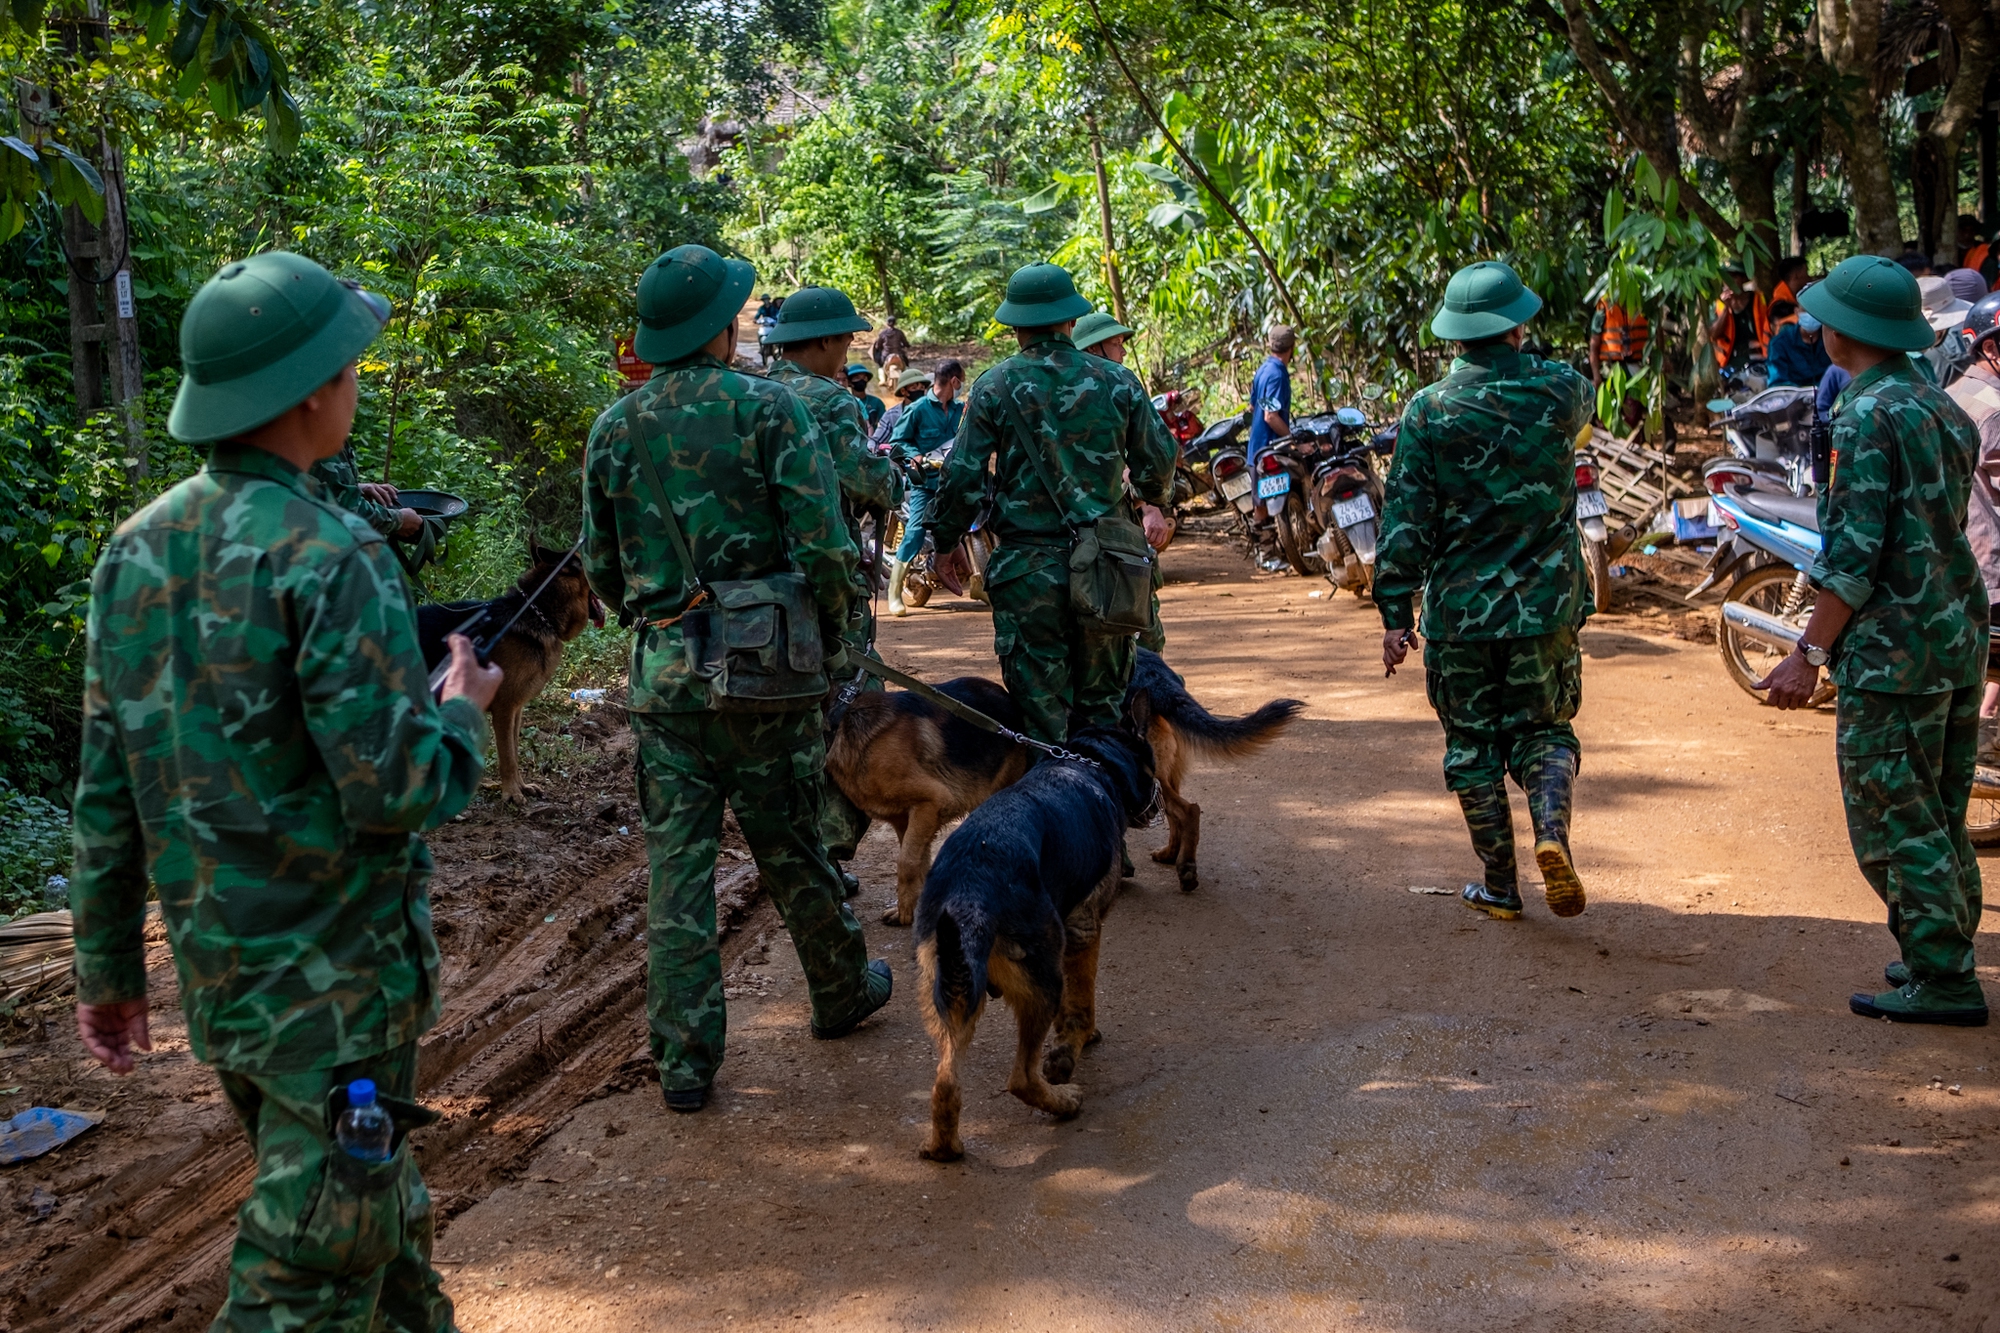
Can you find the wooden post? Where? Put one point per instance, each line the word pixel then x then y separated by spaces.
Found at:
pixel 121 310
pixel 1989 146
pixel 86 327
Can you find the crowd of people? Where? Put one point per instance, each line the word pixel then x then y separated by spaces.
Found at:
pixel 261 747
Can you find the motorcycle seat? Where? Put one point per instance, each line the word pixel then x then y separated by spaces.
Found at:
pixel 1799 510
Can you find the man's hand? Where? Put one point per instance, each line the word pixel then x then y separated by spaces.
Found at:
pixel 381 492
pixel 413 523
pixel 1159 528
pixel 1792 683
pixel 466 679
pixel 1396 645
pixel 111 1032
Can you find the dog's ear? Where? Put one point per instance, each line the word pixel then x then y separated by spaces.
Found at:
pixel 1139 712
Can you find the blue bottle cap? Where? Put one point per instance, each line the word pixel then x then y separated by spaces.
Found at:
pixel 361 1092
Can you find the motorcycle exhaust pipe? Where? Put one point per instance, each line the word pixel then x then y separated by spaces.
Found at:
pixel 1765 629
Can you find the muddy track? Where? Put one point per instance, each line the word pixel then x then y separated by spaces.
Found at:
pixel 544 981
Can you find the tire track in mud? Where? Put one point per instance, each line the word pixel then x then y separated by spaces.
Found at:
pixel 544 1010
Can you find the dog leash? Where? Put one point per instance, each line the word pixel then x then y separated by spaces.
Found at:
pixel 874 665
pixel 481 652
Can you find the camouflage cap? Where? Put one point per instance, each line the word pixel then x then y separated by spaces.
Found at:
pixel 1040 295
pixel 814 312
pixel 260 337
pixel 686 297
pixel 1095 327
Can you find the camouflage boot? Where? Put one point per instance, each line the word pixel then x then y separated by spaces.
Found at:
pixel 1490 820
pixel 1549 780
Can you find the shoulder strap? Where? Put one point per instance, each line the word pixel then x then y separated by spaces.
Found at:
pixel 681 552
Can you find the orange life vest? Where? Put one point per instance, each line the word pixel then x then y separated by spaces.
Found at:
pixel 1784 292
pixel 1760 322
pixel 1624 336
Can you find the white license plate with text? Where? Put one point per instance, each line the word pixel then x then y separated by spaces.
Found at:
pixel 1237 485
pixel 1591 504
pixel 1347 513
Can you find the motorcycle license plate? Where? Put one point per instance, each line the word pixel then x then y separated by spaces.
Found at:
pixel 1591 504
pixel 1274 484
pixel 1349 512
pixel 1237 485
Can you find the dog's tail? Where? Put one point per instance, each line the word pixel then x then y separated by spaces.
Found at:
pixel 960 985
pixel 1209 736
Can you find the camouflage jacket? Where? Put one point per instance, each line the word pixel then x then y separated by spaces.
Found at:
pixel 1095 423
pixel 1480 508
pixel 753 489
pixel 1893 527
pixel 340 478
pixel 867 479
pixel 259 741
pixel 925 427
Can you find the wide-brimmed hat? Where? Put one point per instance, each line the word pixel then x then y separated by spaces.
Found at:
pixel 912 377
pixel 1874 301
pixel 686 297
pixel 260 337
pixel 1484 300
pixel 856 368
pixel 1095 327
pixel 1040 295
pixel 1943 307
pixel 814 312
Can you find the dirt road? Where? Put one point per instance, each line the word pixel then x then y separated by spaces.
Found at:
pixel 1323 1101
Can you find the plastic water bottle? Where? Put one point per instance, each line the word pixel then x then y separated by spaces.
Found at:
pixel 364 1129
pixel 588 696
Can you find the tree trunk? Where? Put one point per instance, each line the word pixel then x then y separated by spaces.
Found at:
pixel 1972 24
pixel 882 280
pixel 1104 218
pixel 1850 32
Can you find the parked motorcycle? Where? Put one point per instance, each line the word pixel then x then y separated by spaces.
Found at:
pixel 1215 458
pixel 1767 540
pixel 1591 508
pixel 1770 433
pixel 1346 499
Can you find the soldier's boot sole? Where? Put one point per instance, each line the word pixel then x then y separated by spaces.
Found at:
pixel 685 1101
pixel 1559 881
pixel 1482 899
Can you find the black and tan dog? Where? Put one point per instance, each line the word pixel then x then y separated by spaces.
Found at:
pixel 1159 707
pixel 530 652
pixel 917 767
pixel 1014 907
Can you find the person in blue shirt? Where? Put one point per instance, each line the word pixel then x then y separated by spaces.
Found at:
pixel 919 444
pixel 1798 356
pixel 871 407
pixel 1271 419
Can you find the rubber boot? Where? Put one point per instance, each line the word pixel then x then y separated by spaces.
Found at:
pixel 898 572
pixel 1490 820
pixel 975 588
pixel 1549 781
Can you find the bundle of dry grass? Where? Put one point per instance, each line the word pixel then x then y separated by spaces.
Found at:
pixel 35 956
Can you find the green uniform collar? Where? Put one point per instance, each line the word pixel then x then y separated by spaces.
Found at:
pixel 1050 338
pixel 237 456
pixel 1899 364
pixel 786 363
pixel 699 359
pixel 1497 358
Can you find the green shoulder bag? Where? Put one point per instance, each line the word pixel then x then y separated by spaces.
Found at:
pixel 1110 560
pixel 754 643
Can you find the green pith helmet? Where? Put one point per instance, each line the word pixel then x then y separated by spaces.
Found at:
pixel 1484 300
pixel 912 377
pixel 686 297
pixel 1040 295
pixel 1871 300
pixel 1095 327
pixel 858 369
pixel 260 337
pixel 814 312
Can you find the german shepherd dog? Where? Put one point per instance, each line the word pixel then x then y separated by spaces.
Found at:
pixel 529 654
pixel 1159 707
pixel 918 767
pixel 1015 907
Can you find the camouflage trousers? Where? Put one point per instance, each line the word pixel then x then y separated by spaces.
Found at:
pixel 1047 662
pixel 768 768
pixel 325 1242
pixel 1906 763
pixel 1504 703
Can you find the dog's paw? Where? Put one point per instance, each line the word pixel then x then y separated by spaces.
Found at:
pixel 1064 1103
pixel 531 791
pixel 1059 1065
pixel 894 917
pixel 1093 1039
pixel 1190 880
pixel 942 1152
pixel 1167 855
pixel 517 797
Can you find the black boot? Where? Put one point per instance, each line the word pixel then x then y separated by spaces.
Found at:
pixel 1549 780
pixel 1490 820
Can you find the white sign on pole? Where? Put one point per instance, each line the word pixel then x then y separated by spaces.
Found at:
pixel 123 284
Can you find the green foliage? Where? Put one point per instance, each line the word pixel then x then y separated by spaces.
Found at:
pixel 34 853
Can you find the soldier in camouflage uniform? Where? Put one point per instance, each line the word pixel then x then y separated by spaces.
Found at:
pixel 1480 516
pixel 1096 426
pixel 259 743
pixel 1100 335
pixel 340 478
pixel 812 335
pixel 1902 617
pixel 754 493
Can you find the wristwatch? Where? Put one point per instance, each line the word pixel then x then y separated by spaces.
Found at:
pixel 1815 657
